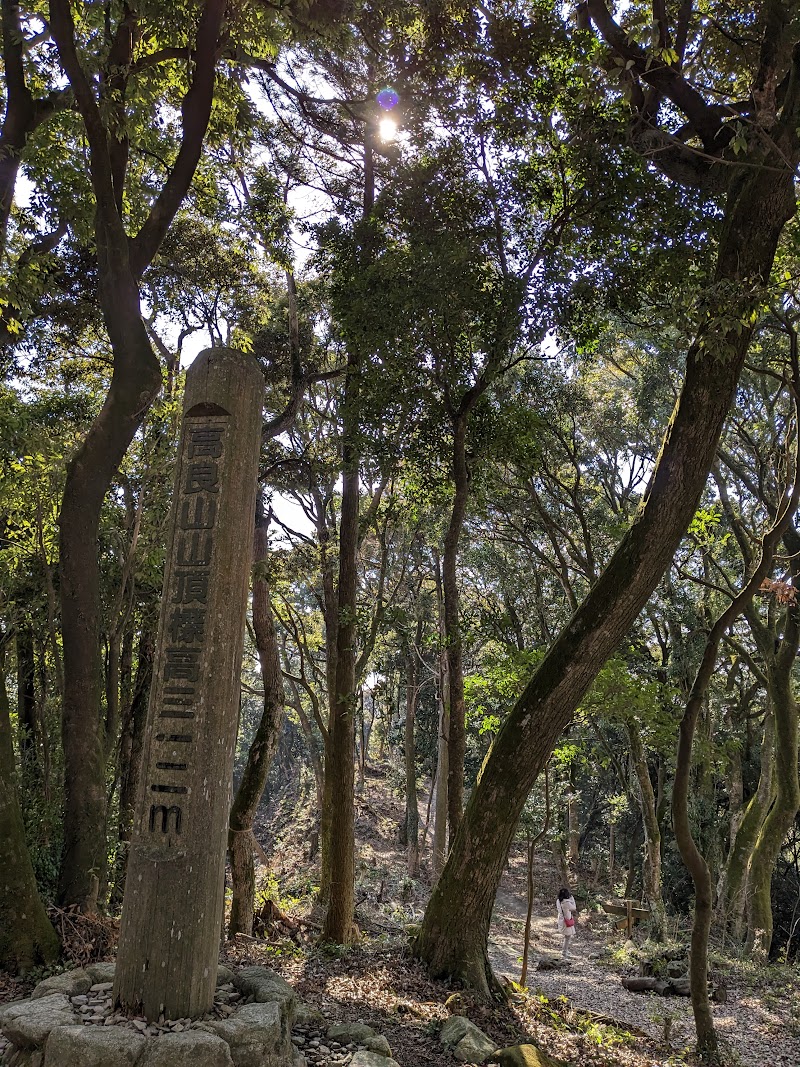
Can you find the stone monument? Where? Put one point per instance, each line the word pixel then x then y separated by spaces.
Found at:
pixel 174 895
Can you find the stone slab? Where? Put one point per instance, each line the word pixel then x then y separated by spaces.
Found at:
pixel 468 1042
pixel 256 1036
pixel 192 1049
pixel 70 983
pixel 27 1023
pixel 110 1046
pixel 379 1045
pixel 265 986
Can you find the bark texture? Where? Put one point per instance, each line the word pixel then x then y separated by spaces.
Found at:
pixel 412 811
pixel 733 890
pixel 339 772
pixel 130 756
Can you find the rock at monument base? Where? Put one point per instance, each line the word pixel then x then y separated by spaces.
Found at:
pixel 70 983
pixel 110 1046
pixel 371 1059
pixel 191 1049
pixel 101 972
pixel 28 1023
pixel 524 1056
pixel 255 1034
pixel 224 975
pixel 267 987
pixel 468 1042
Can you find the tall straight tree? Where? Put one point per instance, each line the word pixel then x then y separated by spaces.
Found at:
pixel 753 182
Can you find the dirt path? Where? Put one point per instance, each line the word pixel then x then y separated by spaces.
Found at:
pixel 757 1025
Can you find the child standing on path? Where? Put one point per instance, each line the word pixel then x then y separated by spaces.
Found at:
pixel 566 909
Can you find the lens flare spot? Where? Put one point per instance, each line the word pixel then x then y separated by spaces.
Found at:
pixel 387 99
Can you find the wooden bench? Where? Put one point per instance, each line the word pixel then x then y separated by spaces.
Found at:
pixel 631 911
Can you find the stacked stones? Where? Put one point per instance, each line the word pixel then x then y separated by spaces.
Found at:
pixel 70 1020
pixel 340 1045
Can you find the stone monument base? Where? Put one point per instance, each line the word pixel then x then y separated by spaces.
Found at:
pixel 70 1021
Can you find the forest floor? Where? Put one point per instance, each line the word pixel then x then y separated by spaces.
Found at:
pixel 581 1015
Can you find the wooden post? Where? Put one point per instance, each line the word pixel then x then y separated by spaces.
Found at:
pixel 612 847
pixel 629 917
pixel 174 895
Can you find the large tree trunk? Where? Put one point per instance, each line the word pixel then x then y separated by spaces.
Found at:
pixel 439 846
pixel 652 833
pixel 331 616
pixel 134 385
pixel 338 925
pixel 455 929
pixel 27 937
pixel 263 746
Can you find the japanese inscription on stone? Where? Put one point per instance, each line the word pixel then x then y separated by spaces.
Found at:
pixel 186 597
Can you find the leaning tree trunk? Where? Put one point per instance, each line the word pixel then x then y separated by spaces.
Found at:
pixel 652 833
pixel 263 746
pixel 27 937
pixel 454 933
